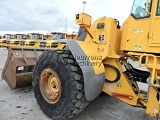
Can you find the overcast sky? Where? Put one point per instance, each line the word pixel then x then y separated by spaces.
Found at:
pixel 54 15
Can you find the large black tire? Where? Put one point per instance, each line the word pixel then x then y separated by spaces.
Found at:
pixel 72 100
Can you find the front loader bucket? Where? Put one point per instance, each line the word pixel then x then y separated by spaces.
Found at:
pixel 18 68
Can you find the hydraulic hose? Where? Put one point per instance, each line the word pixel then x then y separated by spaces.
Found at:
pixel 117 72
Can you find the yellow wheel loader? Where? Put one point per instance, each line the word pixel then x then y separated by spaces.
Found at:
pixel 65 80
pixel 52 41
pixel 13 42
pixel 9 40
pixel 33 40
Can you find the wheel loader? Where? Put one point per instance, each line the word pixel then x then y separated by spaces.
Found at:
pixel 15 41
pixel 51 42
pixel 65 80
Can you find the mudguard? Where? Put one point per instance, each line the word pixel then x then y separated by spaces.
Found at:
pixel 93 82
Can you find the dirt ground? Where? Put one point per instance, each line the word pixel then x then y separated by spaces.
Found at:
pixel 20 104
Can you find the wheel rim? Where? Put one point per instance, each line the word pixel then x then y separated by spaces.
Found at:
pixel 50 85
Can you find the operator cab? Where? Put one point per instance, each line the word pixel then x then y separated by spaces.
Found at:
pixel 10 36
pixel 58 35
pixel 35 36
pixel 21 36
pixel 140 31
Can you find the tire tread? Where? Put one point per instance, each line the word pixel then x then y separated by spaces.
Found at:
pixel 79 102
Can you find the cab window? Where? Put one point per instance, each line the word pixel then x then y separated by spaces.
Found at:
pixel 139 9
pixel 158 8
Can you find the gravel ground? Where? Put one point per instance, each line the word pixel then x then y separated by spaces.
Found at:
pixel 20 104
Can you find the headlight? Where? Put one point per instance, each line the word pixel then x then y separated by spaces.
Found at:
pixel 42 44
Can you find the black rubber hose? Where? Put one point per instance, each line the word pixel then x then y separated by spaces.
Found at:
pixel 117 71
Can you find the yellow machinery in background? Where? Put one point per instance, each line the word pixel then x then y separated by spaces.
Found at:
pixel 50 41
pixel 71 36
pixel 34 40
pixel 8 39
pixel 31 40
pixel 61 35
pixel 11 40
pixel 65 79
pixel 3 43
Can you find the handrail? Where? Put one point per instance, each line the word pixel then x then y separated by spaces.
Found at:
pixel 153 70
pixel 147 7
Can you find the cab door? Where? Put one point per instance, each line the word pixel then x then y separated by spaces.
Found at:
pixel 136 28
pixel 155 25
